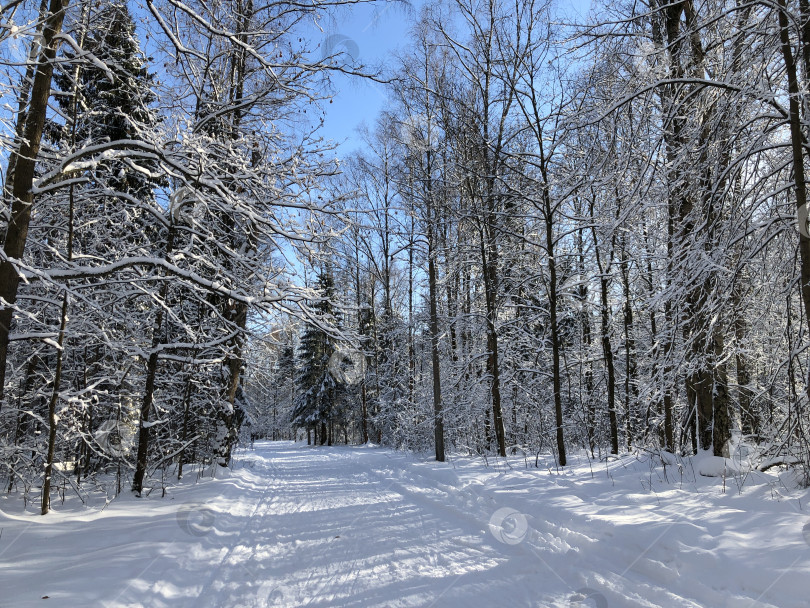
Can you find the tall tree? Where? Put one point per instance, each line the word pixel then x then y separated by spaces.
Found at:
pixel 21 169
pixel 315 402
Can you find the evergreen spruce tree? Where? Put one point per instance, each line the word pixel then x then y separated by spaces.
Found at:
pixel 108 99
pixel 315 401
pixel 112 104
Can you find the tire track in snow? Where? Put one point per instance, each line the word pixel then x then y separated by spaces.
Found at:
pixel 353 573
pixel 473 503
pixel 215 600
pixel 444 526
pixel 624 574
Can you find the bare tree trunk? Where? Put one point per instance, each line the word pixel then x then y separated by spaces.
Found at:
pixel 229 419
pixel 411 347
pixel 489 261
pixel 186 414
pixel 23 98
pixel 630 387
pixel 149 389
pixel 555 335
pixel 607 352
pixel 57 380
pixel 146 406
pixel 585 323
pixel 721 423
pixel 799 183
pixel 360 329
pixel 438 417
pixel 526 92
pixel 22 163
pixel 607 347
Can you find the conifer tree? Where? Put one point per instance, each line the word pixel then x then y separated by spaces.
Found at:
pixel 105 92
pixel 114 100
pixel 316 386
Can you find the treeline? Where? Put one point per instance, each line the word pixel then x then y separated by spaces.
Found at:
pixel 153 211
pixel 558 238
pixel 566 237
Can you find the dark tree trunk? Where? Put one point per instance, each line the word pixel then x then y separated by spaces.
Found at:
pixel 57 380
pixel 489 260
pixel 555 337
pixel 607 347
pixel 796 137
pixel 146 406
pixel 186 412
pixel 149 389
pixel 438 417
pixel 21 173
pixel 630 388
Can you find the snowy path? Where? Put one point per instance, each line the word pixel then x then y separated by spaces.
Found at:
pixel 357 527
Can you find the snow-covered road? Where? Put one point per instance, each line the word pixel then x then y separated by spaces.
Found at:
pixel 297 526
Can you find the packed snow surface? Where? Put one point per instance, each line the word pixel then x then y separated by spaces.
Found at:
pixel 292 525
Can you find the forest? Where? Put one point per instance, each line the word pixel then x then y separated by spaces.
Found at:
pixel 562 236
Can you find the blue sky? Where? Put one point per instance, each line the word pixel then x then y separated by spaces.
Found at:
pixel 372 32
